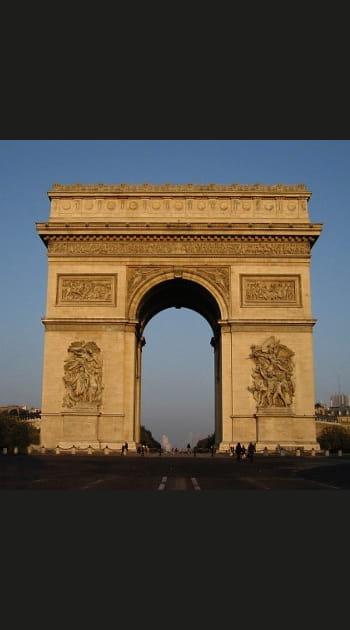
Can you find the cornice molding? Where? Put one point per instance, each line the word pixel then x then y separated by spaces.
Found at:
pixel 166 189
pixel 173 238
pixel 66 323
pixel 288 325
pixel 137 227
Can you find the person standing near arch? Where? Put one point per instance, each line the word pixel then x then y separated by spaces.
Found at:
pixel 251 451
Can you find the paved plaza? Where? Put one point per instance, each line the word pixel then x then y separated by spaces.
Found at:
pixel 153 472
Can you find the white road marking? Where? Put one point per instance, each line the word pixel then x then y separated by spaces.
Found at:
pixel 195 483
pixel 97 481
pixel 325 485
pixel 256 483
pixel 162 484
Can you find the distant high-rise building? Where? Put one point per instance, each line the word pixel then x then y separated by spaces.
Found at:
pixel 340 400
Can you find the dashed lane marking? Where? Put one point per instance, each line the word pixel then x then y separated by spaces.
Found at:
pixel 97 481
pixel 255 482
pixel 195 483
pixel 326 486
pixel 163 483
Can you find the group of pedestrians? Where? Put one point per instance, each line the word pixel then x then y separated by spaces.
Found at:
pixel 241 452
pixel 141 449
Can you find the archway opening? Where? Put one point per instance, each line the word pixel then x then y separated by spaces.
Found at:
pixel 177 390
pixel 178 319
pixel 179 293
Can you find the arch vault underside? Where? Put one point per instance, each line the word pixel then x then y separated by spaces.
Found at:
pixel 238 255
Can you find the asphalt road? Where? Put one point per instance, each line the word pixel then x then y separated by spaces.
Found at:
pixel 173 472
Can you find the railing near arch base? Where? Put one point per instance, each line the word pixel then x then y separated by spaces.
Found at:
pixel 89 450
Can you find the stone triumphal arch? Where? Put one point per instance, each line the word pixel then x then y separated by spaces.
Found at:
pixel 237 254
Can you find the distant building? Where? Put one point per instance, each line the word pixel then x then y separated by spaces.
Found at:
pixel 20 411
pixel 339 414
pixel 340 400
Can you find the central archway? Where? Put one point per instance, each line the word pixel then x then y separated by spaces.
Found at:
pixel 179 293
pixel 177 379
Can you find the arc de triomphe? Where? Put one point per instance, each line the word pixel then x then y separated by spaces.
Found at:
pixel 237 254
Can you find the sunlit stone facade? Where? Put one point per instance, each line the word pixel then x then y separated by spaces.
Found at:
pixel 238 255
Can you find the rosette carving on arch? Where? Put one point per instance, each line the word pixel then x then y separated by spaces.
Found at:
pixel 217 276
pixel 137 276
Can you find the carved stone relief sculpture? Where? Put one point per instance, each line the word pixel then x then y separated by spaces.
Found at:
pixel 177 246
pixel 270 290
pixel 273 383
pixel 83 375
pixel 89 290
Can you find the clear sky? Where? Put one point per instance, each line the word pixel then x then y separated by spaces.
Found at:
pixel 177 396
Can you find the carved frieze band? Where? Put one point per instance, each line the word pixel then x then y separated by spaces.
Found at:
pixel 88 290
pixel 229 207
pixel 268 290
pixel 218 276
pixel 180 246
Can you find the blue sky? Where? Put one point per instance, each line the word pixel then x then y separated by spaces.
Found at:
pixel 184 412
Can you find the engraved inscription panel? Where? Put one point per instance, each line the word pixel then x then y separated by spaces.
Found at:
pixel 274 290
pixel 86 290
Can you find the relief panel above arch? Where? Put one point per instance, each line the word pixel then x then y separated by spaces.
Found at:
pixel 270 290
pixel 86 290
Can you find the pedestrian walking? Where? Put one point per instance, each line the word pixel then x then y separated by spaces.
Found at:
pixel 251 451
pixel 238 450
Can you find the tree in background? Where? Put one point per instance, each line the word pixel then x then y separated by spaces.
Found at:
pixel 16 432
pixel 206 443
pixel 334 438
pixel 147 439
